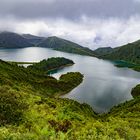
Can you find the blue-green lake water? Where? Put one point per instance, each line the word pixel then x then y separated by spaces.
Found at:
pixel 104 85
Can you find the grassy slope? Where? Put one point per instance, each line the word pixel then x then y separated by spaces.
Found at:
pixel 124 56
pixel 65 46
pixel 26 114
pixel 13 40
pixel 129 53
pixel 19 77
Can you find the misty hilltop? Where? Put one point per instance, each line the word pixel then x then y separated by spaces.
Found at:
pixel 14 40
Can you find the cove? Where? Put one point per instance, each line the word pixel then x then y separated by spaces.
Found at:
pixel 104 85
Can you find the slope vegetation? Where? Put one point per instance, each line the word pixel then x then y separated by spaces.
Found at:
pixel 103 51
pixel 65 46
pixel 50 64
pixel 129 53
pixel 33 39
pixel 13 40
pixel 30 110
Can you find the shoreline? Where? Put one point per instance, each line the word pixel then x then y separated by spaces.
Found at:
pixel 67 65
pixel 14 62
pixel 58 68
pixel 125 64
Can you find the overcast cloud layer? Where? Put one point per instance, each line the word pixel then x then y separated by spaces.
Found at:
pixel 91 23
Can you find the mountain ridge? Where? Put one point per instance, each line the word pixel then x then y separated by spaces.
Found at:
pixel 14 40
pixel 129 53
pixel 102 51
pixel 60 44
pixel 33 38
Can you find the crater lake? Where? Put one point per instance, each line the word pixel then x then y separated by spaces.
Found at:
pixel 104 85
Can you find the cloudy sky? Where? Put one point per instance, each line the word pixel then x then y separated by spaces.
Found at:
pixel 91 23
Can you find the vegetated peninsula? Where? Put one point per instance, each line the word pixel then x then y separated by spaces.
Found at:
pixel 46 66
pixel 30 109
pixel 128 53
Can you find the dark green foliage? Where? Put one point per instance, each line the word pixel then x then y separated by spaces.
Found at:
pixel 136 68
pixel 50 64
pixel 103 51
pixel 12 106
pixel 129 53
pixel 136 91
pixel 13 40
pixel 65 46
pixel 121 64
pixel 69 80
pixel 37 80
pixel 124 64
pixel 33 39
pixel 30 109
pixel 124 56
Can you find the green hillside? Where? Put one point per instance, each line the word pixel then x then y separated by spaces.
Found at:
pixel 65 46
pixel 13 40
pixel 33 39
pixel 103 51
pixel 15 76
pixel 129 52
pixel 50 64
pixel 31 110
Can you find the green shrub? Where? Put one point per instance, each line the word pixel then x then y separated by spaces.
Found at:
pixel 11 106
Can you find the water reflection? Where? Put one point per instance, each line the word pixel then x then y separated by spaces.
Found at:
pixel 104 85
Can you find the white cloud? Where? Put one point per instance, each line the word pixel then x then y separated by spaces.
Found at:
pixel 136 0
pixel 109 32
